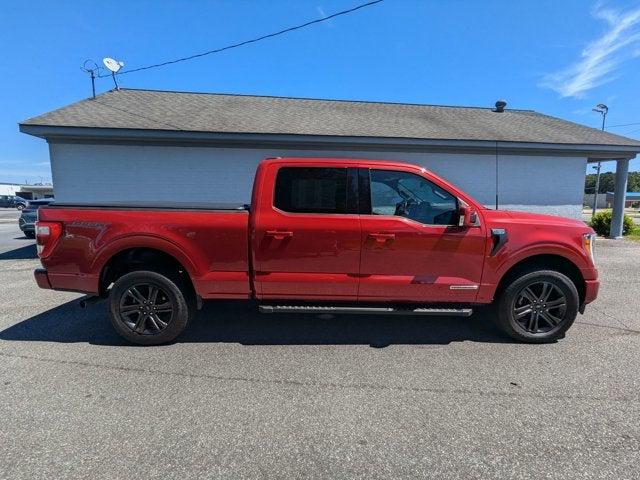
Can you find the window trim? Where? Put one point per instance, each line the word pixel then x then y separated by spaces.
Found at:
pixel 367 175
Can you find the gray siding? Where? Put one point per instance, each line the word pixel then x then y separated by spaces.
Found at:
pixel 88 173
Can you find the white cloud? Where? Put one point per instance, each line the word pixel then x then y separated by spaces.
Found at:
pixel 602 57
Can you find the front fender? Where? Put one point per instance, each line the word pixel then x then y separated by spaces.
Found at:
pixel 507 261
pixel 497 267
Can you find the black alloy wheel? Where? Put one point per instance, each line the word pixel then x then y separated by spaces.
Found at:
pixel 150 308
pixel 146 309
pixel 540 307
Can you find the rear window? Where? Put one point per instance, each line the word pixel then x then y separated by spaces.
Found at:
pixel 311 190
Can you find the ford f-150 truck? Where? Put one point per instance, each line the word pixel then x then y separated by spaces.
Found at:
pixel 323 235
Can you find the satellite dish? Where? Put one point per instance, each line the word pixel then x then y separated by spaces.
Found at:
pixel 112 64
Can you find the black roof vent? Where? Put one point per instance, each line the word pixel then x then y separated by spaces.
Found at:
pixel 500 104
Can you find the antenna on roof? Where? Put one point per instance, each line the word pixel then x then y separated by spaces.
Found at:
pixel 92 68
pixel 114 66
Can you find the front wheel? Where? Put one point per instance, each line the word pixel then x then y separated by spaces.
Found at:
pixel 148 308
pixel 538 307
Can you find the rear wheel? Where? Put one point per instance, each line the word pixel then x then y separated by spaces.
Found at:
pixel 149 308
pixel 538 307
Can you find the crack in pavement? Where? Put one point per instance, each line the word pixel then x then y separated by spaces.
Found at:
pixel 299 383
pixel 608 315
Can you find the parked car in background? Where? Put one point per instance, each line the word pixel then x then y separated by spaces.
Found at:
pixel 7 201
pixel 323 236
pixel 19 202
pixel 29 215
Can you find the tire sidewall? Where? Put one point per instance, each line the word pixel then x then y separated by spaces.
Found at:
pixel 514 329
pixel 179 319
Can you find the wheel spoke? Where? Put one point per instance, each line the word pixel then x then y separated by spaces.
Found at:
pixel 533 322
pixel 153 294
pixel 522 311
pixel 153 322
pixel 550 319
pixel 547 288
pixel 133 291
pixel 529 295
pixel 141 323
pixel 129 309
pixel 559 302
pixel 158 321
pixel 164 308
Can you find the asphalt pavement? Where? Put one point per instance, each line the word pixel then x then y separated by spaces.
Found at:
pixel 242 395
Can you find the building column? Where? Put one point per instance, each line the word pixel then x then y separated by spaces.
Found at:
pixel 619 196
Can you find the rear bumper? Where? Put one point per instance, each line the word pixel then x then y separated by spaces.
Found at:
pixel 66 282
pixel 26 227
pixel 42 278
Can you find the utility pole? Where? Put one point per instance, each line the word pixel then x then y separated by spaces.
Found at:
pixel 602 109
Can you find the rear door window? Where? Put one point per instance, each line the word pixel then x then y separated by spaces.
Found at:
pixel 311 190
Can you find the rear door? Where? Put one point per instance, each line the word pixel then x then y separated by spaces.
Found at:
pixel 307 239
pixel 412 247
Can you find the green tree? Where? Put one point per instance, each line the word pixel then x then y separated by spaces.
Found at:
pixel 608 181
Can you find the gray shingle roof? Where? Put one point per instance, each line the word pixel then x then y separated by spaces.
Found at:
pixel 222 113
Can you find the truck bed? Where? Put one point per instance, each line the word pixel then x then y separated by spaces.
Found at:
pixel 209 240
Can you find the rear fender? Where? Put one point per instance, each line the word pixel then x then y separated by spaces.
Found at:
pixel 143 241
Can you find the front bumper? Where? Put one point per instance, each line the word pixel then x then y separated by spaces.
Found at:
pixel 591 290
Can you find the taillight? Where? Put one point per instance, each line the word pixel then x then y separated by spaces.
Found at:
pixel 47 235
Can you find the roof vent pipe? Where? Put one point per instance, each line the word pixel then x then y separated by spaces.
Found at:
pixel 500 104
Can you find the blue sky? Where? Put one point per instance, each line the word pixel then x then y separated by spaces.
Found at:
pixel 557 57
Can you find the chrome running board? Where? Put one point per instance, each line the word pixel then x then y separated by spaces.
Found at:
pixel 451 312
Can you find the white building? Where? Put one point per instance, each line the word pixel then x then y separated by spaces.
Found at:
pixel 8 188
pixel 133 145
pixel 30 192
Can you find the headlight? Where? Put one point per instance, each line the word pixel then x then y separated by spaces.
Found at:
pixel 589 244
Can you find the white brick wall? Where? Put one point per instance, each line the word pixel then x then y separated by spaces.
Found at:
pixel 90 173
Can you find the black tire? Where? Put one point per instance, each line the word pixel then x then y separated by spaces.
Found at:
pixel 132 309
pixel 30 234
pixel 20 207
pixel 532 313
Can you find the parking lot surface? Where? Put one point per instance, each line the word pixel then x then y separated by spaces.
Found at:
pixel 247 396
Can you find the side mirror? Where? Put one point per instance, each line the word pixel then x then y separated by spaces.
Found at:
pixel 468 216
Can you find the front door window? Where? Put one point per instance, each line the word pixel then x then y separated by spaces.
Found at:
pixel 408 195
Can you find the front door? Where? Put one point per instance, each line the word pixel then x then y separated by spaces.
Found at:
pixel 307 243
pixel 412 247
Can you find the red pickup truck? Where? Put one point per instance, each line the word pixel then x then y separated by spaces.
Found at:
pixel 323 235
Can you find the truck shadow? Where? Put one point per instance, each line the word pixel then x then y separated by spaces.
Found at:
pixel 21 253
pixel 239 322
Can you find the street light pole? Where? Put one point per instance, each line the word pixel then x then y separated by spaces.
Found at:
pixel 602 109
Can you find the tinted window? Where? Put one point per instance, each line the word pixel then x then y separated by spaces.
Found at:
pixel 411 196
pixel 311 190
